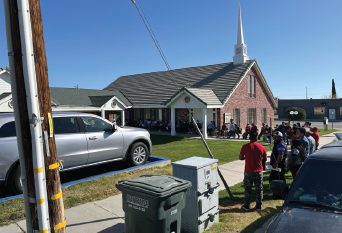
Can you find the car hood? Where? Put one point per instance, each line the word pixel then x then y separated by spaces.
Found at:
pixel 299 220
pixel 132 129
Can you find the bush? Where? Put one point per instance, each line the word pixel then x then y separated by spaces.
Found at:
pixel 301 116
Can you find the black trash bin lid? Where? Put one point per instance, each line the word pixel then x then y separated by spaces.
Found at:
pixel 159 186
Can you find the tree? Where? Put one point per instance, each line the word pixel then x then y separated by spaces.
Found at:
pixel 333 90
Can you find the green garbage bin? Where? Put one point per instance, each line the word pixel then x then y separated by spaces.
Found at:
pixel 153 204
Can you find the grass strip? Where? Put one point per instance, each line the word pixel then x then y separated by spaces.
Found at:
pixel 13 210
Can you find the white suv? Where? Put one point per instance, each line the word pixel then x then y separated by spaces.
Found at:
pixel 81 139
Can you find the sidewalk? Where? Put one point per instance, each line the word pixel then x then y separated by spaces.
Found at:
pixel 107 215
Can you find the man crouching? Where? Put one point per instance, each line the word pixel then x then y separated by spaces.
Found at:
pixel 255 156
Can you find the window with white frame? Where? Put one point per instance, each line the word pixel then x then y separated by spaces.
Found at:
pixel 236 116
pixel 264 115
pixel 251 115
pixel 251 86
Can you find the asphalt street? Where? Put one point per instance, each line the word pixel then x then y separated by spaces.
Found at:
pixel 331 125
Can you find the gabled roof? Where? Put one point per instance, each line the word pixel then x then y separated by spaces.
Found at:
pixel 157 88
pixel 206 96
pixel 84 97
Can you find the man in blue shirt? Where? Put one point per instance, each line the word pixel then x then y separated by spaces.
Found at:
pixel 301 144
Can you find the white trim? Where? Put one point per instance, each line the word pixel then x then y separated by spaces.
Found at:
pixel 185 90
pixel 238 84
pixel 262 79
pixel 175 97
pixel 149 106
pixel 116 98
pixel 215 106
pixel 264 83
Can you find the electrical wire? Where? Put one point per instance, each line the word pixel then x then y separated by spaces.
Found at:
pixel 151 33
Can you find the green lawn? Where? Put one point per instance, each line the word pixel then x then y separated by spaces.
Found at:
pixel 177 148
pixel 232 219
pixel 13 210
pixel 324 132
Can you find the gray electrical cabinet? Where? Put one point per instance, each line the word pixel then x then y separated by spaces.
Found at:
pixel 201 210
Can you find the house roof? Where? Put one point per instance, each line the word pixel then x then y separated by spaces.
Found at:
pixel 206 96
pixel 157 88
pixel 84 97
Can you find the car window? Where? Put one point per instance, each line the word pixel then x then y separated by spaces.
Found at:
pixel 319 182
pixel 65 125
pixel 8 130
pixel 92 124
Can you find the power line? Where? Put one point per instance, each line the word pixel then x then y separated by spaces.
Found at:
pixel 151 33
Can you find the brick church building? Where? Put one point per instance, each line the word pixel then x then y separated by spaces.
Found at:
pixel 234 90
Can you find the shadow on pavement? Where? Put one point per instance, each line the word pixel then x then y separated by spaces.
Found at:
pixel 96 221
pixel 118 228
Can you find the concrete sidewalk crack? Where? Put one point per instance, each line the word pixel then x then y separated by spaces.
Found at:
pixel 104 208
pixel 20 227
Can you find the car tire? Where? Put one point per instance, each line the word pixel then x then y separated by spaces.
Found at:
pixel 138 154
pixel 15 183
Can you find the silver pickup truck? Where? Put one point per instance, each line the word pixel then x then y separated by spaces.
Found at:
pixel 81 139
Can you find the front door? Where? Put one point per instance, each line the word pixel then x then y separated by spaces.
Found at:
pixel 103 143
pixel 71 144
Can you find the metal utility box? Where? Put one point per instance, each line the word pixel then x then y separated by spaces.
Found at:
pixel 153 204
pixel 201 210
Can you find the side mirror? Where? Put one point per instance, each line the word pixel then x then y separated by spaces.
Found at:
pixel 279 189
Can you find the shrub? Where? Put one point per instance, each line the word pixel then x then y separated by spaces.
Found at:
pixel 301 116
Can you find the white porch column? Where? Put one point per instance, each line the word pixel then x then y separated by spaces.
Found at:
pixel 160 114
pixel 204 123
pixel 173 121
pixel 103 113
pixel 123 118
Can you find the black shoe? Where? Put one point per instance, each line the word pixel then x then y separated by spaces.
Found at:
pixel 258 207
pixel 245 207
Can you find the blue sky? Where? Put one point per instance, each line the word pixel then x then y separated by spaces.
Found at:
pixel 90 43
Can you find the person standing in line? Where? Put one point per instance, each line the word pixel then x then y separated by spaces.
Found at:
pixel 312 142
pixel 315 135
pixel 254 155
pixel 231 131
pixel 278 157
pixel 299 151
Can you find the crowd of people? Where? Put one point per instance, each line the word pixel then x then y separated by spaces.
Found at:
pixel 291 147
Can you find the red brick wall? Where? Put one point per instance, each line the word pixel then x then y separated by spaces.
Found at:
pixel 182 114
pixel 241 100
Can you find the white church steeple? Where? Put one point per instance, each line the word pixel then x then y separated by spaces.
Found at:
pixel 240 48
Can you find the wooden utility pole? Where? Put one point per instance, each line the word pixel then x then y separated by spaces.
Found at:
pixel 20 104
pixel 54 190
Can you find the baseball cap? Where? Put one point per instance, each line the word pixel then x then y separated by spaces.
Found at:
pixel 278 134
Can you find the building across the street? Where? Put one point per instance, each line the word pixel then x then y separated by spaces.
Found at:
pixel 212 94
pixel 315 109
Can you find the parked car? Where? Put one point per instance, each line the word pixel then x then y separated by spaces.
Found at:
pixel 314 201
pixel 81 139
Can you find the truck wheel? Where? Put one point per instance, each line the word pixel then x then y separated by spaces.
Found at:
pixel 139 154
pixel 15 183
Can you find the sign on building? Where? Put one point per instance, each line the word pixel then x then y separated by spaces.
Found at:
pixel 332 114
